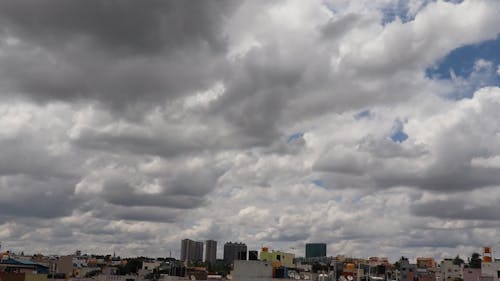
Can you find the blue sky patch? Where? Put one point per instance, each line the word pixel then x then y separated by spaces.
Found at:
pixel 318 182
pixel 401 10
pixel 469 68
pixel 397 10
pixel 363 114
pixel 295 136
pixel 461 60
pixel 397 132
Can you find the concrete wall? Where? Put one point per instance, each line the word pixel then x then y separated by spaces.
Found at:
pixel 118 278
pixel 490 269
pixel 286 259
pixel 65 265
pixel 252 270
pixel 150 265
pixel 7 276
pixel 35 277
pixel 471 274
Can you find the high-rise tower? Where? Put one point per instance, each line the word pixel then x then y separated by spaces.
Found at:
pixel 191 250
pixel 210 251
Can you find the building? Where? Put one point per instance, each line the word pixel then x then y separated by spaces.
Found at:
pixel 490 270
pixel 376 261
pixel 253 255
pixel 426 262
pixel 252 270
pixel 471 274
pixel 234 251
pixel 152 265
pixel 450 271
pixel 210 251
pixel 407 270
pixel 314 250
pixel 424 274
pixel 191 250
pixel 64 265
pixel 277 258
pixel 22 266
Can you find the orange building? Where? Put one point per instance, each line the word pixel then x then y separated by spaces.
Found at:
pixel 426 262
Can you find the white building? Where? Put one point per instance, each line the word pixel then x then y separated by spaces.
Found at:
pixel 246 270
pixel 491 270
pixel 450 271
pixel 150 265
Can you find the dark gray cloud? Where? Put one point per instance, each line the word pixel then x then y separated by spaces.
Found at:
pixel 169 143
pixel 139 214
pixel 457 209
pixel 438 238
pixel 184 190
pixel 23 196
pixel 124 53
pixel 257 91
pixel 117 26
pixel 23 156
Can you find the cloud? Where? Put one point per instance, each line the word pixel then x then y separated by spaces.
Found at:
pixel 128 127
pixel 119 54
pixel 459 209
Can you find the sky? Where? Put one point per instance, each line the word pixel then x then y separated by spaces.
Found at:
pixel 369 125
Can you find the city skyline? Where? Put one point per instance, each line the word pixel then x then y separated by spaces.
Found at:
pixel 368 125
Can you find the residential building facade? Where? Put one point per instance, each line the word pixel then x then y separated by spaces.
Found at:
pixel 314 250
pixel 210 251
pixel 191 250
pixel 234 251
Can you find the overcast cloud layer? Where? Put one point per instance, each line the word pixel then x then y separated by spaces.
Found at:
pixel 129 125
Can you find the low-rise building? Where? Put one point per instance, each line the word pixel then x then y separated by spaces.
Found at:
pixel 407 270
pixel 450 271
pixel 491 270
pixel 252 270
pixel 64 265
pixel 471 274
pixel 22 266
pixel 426 262
pixel 150 265
pixel 277 258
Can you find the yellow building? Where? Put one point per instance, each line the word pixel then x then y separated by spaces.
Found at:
pixel 35 277
pixel 277 258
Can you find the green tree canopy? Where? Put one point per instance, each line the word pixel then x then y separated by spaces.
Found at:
pixel 475 261
pixel 457 260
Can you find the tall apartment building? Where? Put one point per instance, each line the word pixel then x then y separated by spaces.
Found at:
pixel 191 250
pixel 211 251
pixel 234 251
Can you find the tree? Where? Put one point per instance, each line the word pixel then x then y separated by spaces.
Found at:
pixel 457 260
pixel 92 273
pixel 475 261
pixel 397 265
pixel 132 266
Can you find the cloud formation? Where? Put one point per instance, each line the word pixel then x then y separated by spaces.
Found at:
pixel 128 126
